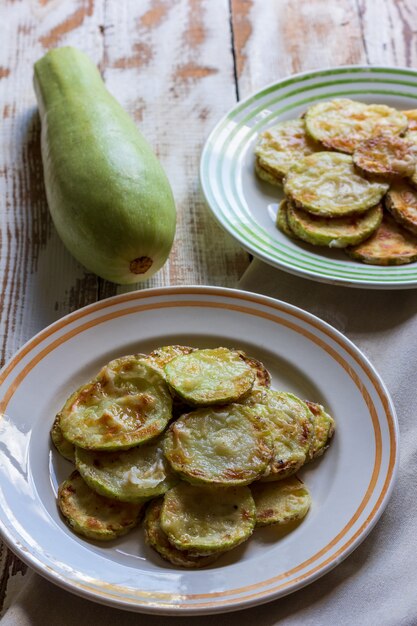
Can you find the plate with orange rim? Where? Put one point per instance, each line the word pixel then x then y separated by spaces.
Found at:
pixel 304 355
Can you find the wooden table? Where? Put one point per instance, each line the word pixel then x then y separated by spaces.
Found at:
pixel 176 66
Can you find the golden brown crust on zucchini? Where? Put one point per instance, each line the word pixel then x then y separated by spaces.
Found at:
pixel 386 156
pixel 389 245
pixel 401 202
pixel 282 220
pixel 155 537
pixel 341 124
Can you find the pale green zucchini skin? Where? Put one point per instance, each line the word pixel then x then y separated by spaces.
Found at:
pixel 108 195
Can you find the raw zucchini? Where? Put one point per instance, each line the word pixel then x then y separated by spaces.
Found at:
pixel 204 520
pixel 401 202
pixel 133 475
pixel 341 124
pixel 229 445
pixel 216 376
pixel 126 404
pixel 282 502
pixel 156 538
pixel 385 156
pixel 92 515
pixel 326 183
pixel 109 198
pixel 334 232
pixel 389 245
pixel 324 427
pixel 282 145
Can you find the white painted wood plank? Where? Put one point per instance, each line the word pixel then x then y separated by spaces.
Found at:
pixel 389 31
pixel 278 38
pixel 171 66
pixel 40 281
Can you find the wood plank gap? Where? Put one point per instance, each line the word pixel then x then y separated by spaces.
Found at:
pixel 360 11
pixel 233 48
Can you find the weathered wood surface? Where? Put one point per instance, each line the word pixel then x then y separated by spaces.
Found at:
pixel 177 66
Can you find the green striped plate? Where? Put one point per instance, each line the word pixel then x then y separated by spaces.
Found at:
pixel 246 207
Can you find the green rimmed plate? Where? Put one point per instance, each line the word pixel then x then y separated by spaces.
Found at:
pixel 246 206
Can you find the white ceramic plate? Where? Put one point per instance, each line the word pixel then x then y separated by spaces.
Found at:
pixel 246 207
pixel 304 355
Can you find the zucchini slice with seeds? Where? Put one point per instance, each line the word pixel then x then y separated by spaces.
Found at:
pixel 126 404
pixel 282 220
pixel 64 447
pixel 292 429
pixel 282 145
pixel 326 183
pixel 341 124
pixel 228 445
pixel 401 202
pixel 385 156
pixel 94 516
pixel 282 502
pixel 324 427
pixel 389 245
pixel 334 232
pixel 157 539
pixel 204 377
pixel 133 475
pixel 203 520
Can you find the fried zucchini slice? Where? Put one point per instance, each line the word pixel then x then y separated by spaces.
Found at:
pixel 126 404
pixel 281 146
pixel 282 220
pixel 282 502
pixel 401 202
pixel 157 539
pixel 161 356
pixel 94 516
pixel 385 156
pixel 266 175
pixel 389 245
pixel 342 124
pixel 411 133
pixel 334 232
pixel 227 445
pixel 133 475
pixel 324 427
pixel 292 429
pixel 326 184
pixel 411 116
pixel 262 376
pixel 64 447
pixel 204 377
pixel 203 520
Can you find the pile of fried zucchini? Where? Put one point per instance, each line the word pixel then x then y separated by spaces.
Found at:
pixel 197 440
pixel 348 171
